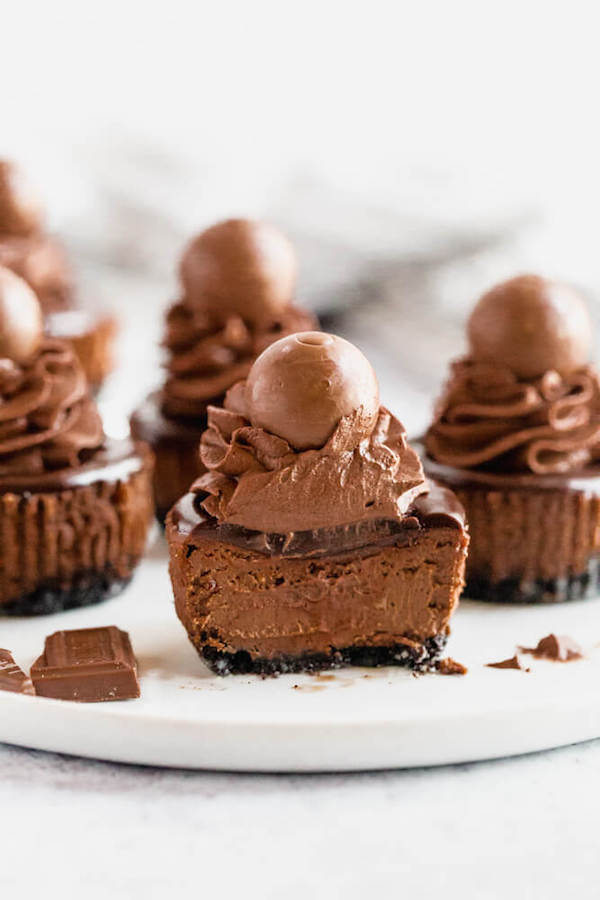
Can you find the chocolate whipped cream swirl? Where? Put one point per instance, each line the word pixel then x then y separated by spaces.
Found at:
pixel 258 481
pixel 47 418
pixel 488 418
pixel 207 355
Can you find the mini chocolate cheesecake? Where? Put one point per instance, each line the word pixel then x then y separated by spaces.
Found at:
pixel 75 507
pixel 40 261
pixel 313 540
pixel 238 280
pixel 516 435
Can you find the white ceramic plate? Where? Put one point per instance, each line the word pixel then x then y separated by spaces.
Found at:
pixel 348 720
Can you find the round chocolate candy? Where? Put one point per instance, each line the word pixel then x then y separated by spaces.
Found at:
pixel 240 266
pixel 19 209
pixel 532 325
pixel 301 386
pixel 21 325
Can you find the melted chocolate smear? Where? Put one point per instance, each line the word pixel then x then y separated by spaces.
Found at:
pixel 558 648
pixel 513 663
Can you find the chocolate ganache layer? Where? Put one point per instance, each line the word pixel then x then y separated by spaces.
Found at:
pixel 47 418
pixel 209 351
pixel 257 480
pixel 114 461
pixel 491 420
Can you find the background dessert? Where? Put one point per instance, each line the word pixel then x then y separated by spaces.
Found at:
pixel 37 258
pixel 313 539
pixel 517 435
pixel 75 506
pixel 237 280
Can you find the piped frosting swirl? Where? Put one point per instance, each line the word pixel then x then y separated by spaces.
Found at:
pixel 48 419
pixel 208 353
pixel 257 480
pixel 489 418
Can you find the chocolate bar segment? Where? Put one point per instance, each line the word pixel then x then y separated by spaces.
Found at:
pixel 12 678
pixel 91 665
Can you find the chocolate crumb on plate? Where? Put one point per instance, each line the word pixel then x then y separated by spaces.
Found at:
pixel 559 648
pixel 90 665
pixel 449 666
pixel 513 663
pixel 12 678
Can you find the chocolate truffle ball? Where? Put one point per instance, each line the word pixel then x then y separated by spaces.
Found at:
pixel 19 209
pixel 301 386
pixel 242 267
pixel 21 326
pixel 532 325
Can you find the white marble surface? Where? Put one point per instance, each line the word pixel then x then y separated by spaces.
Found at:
pixel 524 828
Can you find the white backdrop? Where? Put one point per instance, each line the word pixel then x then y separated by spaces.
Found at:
pixel 417 150
pixel 458 112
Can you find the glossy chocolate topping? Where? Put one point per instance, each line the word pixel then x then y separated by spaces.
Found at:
pixel 19 210
pixel 116 460
pixel 21 325
pixel 208 353
pixel 488 418
pixel 256 479
pixel 303 385
pixel 244 267
pixel 48 419
pixel 531 325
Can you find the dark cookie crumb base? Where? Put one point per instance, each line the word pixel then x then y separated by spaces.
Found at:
pixel 161 516
pixel 421 659
pixel 90 588
pixel 553 590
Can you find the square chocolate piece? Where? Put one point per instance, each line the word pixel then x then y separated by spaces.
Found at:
pixel 12 678
pixel 90 666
